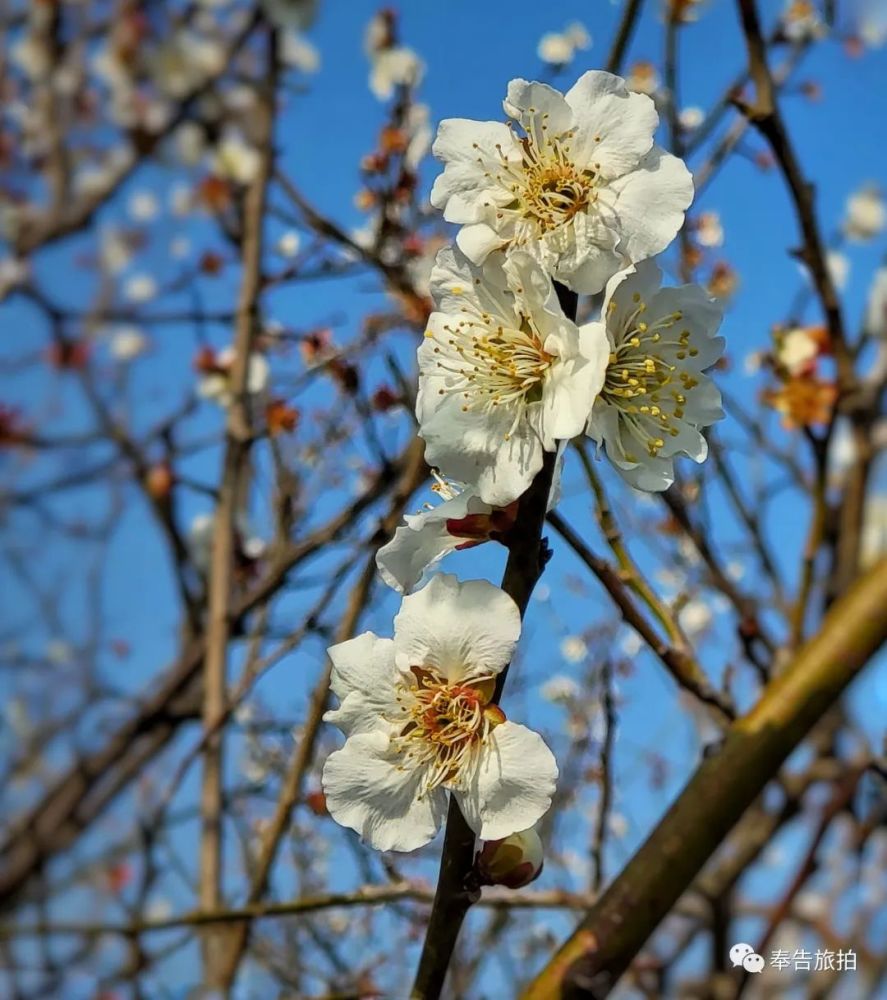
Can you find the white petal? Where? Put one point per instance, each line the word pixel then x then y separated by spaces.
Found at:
pixel 535 104
pixel 512 784
pixel 404 560
pixel 424 541
pixel 478 241
pixel 367 792
pixel 463 630
pixel 614 127
pixel 575 386
pixel 475 449
pixel 589 276
pixel 650 203
pixel 457 284
pixel 643 279
pixel 464 140
pixel 363 678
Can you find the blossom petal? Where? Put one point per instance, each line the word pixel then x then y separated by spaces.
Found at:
pixel 463 630
pixel 574 386
pixel 613 126
pixel 388 806
pixel 650 203
pixel 478 241
pixel 424 541
pixel 363 679
pixel 411 552
pixel 511 785
pixel 535 105
pixel 477 449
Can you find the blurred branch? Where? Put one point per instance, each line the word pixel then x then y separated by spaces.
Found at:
pixel 684 670
pixel 233 489
pixel 415 473
pixel 723 787
pixel 85 789
pixel 627 24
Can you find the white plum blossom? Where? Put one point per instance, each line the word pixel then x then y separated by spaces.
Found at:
pixel 140 288
pixel 655 396
pixel 190 143
pixel 575 179
pixel 797 349
pixel 127 343
pixel 398 66
pixel 709 230
pixel 288 244
pixel 505 374
pixel 866 214
pixel 143 206
pixel 558 48
pixel 643 78
pixel 691 117
pixel 461 521
pixel 695 617
pixel 838 265
pixel 574 649
pixel 185 61
pixel 417 127
pixel 871 22
pixel 236 160
pixel 876 309
pixel 297 52
pixel 115 250
pixel 215 383
pixel 13 272
pixel 418 719
pixel 801 22
pixel 561 690
pixel 200 539
pixel 430 535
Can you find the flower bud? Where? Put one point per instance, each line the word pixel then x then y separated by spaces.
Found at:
pixel 159 479
pixel 515 861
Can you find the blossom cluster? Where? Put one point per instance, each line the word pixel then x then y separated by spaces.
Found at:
pixel 570 196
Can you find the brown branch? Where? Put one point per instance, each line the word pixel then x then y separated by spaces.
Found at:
pixel 368 895
pixel 456 892
pixel 414 475
pixel 684 670
pixel 88 786
pixel 590 963
pixel 627 24
pixel 766 116
pixel 232 489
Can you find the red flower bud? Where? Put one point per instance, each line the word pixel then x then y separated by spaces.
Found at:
pixel 514 862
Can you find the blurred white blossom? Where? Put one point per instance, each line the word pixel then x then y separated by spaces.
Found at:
pixel 866 214
pixel 559 48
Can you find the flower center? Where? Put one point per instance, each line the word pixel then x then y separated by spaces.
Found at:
pixel 554 189
pixel 548 187
pixel 446 725
pixel 494 365
pixel 642 382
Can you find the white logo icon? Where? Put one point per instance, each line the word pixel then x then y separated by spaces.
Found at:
pixel 744 955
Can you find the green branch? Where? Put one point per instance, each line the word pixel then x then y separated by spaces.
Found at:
pixel 615 929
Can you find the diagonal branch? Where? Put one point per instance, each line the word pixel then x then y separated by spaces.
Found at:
pixel 590 963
